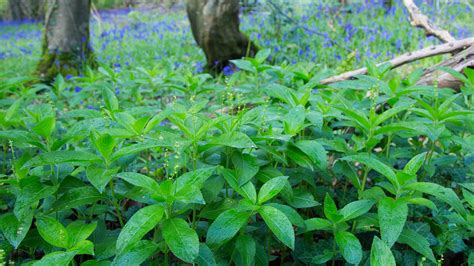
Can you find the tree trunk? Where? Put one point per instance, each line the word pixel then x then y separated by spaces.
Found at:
pixel 26 9
pixel 215 27
pixel 66 47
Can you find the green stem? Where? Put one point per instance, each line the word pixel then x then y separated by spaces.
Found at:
pixel 114 201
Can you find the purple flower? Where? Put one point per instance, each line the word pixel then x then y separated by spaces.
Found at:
pixel 117 91
pixel 77 89
pixel 228 70
pixel 68 77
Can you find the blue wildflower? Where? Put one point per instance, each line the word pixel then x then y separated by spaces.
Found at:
pixel 77 89
pixel 228 70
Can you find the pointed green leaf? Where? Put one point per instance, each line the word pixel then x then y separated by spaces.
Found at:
pixel 279 225
pixel 181 239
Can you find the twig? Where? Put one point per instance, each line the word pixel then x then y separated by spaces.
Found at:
pixel 408 57
pixel 420 20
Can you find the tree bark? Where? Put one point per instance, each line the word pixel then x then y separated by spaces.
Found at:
pixel 26 9
pixel 66 47
pixel 215 27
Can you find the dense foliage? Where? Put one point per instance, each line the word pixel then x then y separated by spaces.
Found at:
pixel 139 164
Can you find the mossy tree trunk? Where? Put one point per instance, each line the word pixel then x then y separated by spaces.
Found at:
pixel 215 27
pixel 66 47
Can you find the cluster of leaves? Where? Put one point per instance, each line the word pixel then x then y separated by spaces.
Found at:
pixel 263 166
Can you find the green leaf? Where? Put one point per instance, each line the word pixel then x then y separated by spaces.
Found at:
pixel 205 256
pixel 417 242
pixel 136 254
pixel 234 139
pixel 245 246
pixel 83 247
pixel 181 239
pixel 110 99
pixel 194 178
pixel 293 122
pixel 350 247
pixel 56 258
pixel 318 224
pixel 140 180
pixel 271 188
pixel 245 166
pixel 415 164
pixel 76 197
pixel 315 151
pixel 375 164
pixel 357 117
pixel 14 230
pixel 52 231
pixel 45 127
pixel 13 109
pixel 279 225
pixel 247 191
pixel 79 231
pixel 100 177
pixel 444 194
pixel 356 209
pixel 380 254
pixel 139 224
pixel 104 143
pixel 262 55
pixel 146 145
pixel 156 119
pixel 292 215
pixel 392 217
pixel 29 195
pixel 226 226
pixel 244 65
pixel 58 157
pixel 330 209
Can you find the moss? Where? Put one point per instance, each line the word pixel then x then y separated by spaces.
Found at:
pixel 53 63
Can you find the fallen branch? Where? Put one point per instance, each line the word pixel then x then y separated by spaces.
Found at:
pixel 406 58
pixel 458 62
pixel 420 20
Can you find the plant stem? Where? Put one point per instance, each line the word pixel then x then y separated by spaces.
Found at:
pixel 114 201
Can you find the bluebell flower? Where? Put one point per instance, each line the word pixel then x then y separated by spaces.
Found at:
pixel 228 70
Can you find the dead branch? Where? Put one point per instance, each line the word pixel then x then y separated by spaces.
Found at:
pixel 420 20
pixel 409 57
pixel 458 62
